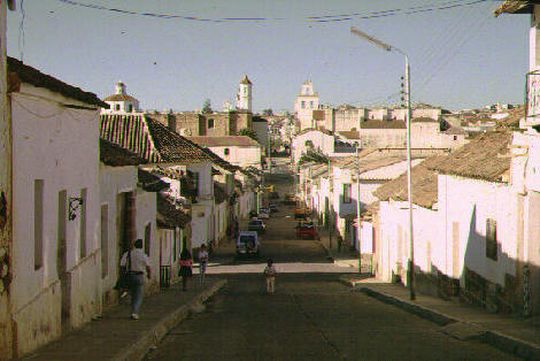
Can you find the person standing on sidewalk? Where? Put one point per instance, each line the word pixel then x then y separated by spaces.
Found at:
pixel 136 262
pixel 186 264
pixel 270 275
pixel 203 262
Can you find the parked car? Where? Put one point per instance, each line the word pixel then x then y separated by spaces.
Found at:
pixel 301 213
pixel 264 213
pixel 256 225
pixel 289 199
pixel 273 208
pixel 247 243
pixel 306 230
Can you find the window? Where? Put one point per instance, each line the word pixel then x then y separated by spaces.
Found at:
pixel 195 178
pixel 311 104
pixel 455 137
pixel 82 243
pixel 491 239
pixel 303 104
pixel 104 240
pixel 147 237
pixel 226 151
pixel 347 193
pixel 210 123
pixel 38 223
pixel 130 108
pixel 117 107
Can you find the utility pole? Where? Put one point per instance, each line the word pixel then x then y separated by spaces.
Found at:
pixel 6 207
pixel 407 96
pixel 358 210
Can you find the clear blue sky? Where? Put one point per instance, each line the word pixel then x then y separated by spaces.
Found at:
pixel 460 58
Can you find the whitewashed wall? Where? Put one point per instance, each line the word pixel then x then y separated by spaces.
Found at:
pixel 320 140
pixel 59 146
pixel 467 203
pixel 240 156
pixel 113 182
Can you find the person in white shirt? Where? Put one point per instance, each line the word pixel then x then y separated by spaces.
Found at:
pixel 270 275
pixel 203 262
pixel 136 262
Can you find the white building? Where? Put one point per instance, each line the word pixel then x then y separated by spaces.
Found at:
pixel 238 150
pixel 56 258
pixel 121 102
pixel 306 102
pixel 127 212
pixel 244 97
pixel 526 163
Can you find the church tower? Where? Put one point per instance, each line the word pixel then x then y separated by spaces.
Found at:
pixel 244 96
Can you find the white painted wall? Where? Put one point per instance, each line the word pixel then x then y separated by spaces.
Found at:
pixel 320 140
pixel 59 146
pixel 240 156
pixel 469 203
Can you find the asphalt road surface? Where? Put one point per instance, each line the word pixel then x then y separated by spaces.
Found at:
pixel 312 316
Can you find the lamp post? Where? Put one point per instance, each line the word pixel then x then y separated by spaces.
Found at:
pixel 358 210
pixel 388 47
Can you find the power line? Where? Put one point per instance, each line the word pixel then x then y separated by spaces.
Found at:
pixel 447 5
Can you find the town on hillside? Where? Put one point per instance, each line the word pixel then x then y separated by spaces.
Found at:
pixel 246 233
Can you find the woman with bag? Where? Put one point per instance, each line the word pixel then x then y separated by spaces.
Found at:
pixel 186 265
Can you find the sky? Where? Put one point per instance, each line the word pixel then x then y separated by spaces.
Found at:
pixel 462 57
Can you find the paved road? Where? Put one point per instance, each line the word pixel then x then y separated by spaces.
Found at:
pixel 310 317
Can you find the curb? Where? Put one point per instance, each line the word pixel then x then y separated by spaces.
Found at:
pixel 438 318
pixel 140 346
pixel 508 344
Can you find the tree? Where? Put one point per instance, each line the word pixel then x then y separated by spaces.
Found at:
pixel 207 107
pixel 249 133
pixel 315 156
pixel 268 111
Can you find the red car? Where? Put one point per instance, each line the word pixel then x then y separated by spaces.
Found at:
pixel 306 231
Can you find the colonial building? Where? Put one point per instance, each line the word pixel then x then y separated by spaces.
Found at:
pixel 238 150
pixel 56 258
pixel 306 102
pixel 121 102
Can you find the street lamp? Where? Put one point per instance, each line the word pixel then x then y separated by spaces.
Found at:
pixel 388 47
pixel 358 210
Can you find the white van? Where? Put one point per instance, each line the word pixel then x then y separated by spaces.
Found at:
pixel 247 243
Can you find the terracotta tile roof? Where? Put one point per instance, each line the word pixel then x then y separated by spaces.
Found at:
pixel 168 216
pixel 382 124
pixel 151 182
pixel 119 98
pixel 114 155
pixel 486 157
pixel 350 134
pixel 32 76
pixel 231 140
pixel 424 185
pixel 150 139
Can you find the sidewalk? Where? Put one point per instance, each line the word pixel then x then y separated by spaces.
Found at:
pixel 344 257
pixel 520 337
pixel 117 337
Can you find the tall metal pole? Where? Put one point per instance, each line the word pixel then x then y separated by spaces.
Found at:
pixel 358 210
pixel 388 47
pixel 412 294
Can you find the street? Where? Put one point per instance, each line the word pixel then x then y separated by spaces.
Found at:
pixel 311 315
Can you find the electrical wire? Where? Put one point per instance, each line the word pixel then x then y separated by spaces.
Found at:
pixel 447 5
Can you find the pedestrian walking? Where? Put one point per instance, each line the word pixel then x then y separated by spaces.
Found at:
pixel 186 265
pixel 270 275
pixel 203 263
pixel 135 263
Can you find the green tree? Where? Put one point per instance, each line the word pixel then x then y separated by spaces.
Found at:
pixel 207 107
pixel 249 133
pixel 268 111
pixel 315 156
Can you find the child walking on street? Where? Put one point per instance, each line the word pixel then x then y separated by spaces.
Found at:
pixel 270 274
pixel 203 262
